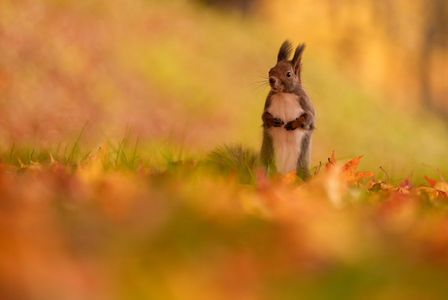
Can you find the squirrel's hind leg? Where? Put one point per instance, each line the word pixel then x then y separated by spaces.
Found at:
pixel 303 164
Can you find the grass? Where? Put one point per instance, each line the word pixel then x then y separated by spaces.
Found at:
pixel 214 227
pixel 228 160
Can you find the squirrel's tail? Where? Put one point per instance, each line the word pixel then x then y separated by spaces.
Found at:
pixel 234 159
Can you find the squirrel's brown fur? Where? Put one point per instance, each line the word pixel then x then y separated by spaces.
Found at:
pixel 284 140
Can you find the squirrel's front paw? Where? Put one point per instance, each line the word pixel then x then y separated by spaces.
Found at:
pixel 305 121
pixel 291 125
pixel 269 121
pixel 276 122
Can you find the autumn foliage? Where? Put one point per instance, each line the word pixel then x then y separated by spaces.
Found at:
pixel 159 211
pixel 184 232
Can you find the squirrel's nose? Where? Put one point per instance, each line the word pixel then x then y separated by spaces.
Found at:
pixel 272 80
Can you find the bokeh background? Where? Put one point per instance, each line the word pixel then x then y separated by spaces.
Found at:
pixel 190 74
pixel 120 178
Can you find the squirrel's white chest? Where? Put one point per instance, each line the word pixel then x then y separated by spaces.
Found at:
pixel 287 144
pixel 285 106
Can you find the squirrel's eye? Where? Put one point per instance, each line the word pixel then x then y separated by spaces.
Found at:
pixel 289 74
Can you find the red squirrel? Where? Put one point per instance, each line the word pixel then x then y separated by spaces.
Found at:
pixel 288 117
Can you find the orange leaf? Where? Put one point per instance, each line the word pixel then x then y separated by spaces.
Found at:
pixel 352 165
pixel 432 182
pixel 441 186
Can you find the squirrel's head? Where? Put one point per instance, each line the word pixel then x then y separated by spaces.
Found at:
pixel 285 75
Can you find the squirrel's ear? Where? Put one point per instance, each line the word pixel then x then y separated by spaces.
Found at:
pixel 297 59
pixel 285 51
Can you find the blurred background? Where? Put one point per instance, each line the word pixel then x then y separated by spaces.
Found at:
pixel 184 77
pixel 192 75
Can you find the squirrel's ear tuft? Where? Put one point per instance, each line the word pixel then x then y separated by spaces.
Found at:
pixel 297 59
pixel 285 51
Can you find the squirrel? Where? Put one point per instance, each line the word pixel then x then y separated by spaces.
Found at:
pixel 288 117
